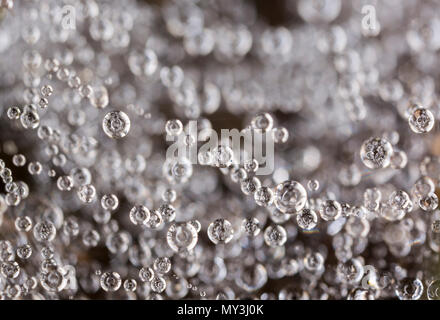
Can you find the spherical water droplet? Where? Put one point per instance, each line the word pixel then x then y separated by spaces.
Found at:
pixel 109 202
pixel 169 195
pixel 220 231
pixel 162 265
pixel 429 202
pixel 116 124
pixel 251 226
pixel 130 285
pixel 307 219
pixel 313 185
pixel 421 120
pixel 110 281
pixel 400 200
pixel 30 119
pixel 174 127
pixel 87 193
pixel 10 269
pixel 350 272
pixel 182 236
pixel 275 236
pixel 250 185
pixel 19 160
pixel 24 251
pixel 251 165
pixel 409 289
pixel 35 168
pixel 146 274
pixel 280 135
pixel 44 231
pixel 139 215
pixel 65 183
pixel 23 224
pixel 330 210
pixel 222 156
pixel 54 279
pixel 262 121
pixel 433 291
pixel 91 238
pixel 290 197
pixel 313 261
pixel 376 153
pixel 14 113
pixel 158 284
pixel 263 196
pixel 46 90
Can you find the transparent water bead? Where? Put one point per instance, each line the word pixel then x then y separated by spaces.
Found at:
pixel 280 135
pixel 262 121
pixel 429 202
pixel 250 185
pixel 44 231
pixel 168 212
pixel 433 291
pixel 409 289
pixel 169 195
pixel 222 156
pixel 423 186
pixel 10 269
pixel 24 252
pixel 174 127
pixel 251 165
pixel 220 231
pixel 54 279
pixel 19 160
pixel 146 274
pixel 313 185
pixel 116 124
pixel 400 200
pixel 392 213
pixel 65 183
pixel 263 196
pixel 177 170
pixel 13 113
pixel 30 119
pixel 307 219
pixel 110 281
pixel 162 265
pixel 155 221
pixel 81 176
pixel 351 271
pixel 87 193
pixel 290 197
pixel 330 210
pixel 158 284
pixel 23 224
pixel 251 226
pixel 98 96
pixel 130 285
pixel 251 278
pixel 139 215
pixel 313 261
pixel 275 236
pixel 109 202
pixel 376 153
pixel 421 120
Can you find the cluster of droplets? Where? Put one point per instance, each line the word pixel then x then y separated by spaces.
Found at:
pixel 93 205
